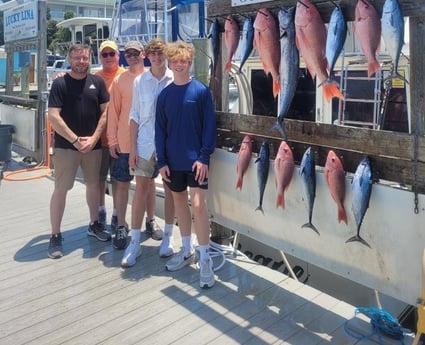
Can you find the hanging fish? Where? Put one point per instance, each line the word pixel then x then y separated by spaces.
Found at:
pixel 263 166
pixel 289 64
pixel 214 44
pixel 231 40
pixel 247 41
pixel 361 191
pixel 393 33
pixel 308 185
pixel 335 179
pixel 284 167
pixel 311 42
pixel 266 41
pixel 367 29
pixel 337 34
pixel 244 157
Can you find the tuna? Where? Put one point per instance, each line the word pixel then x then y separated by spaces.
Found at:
pixel 393 33
pixel 244 157
pixel 266 41
pixel 214 44
pixel 263 166
pixel 247 41
pixel 311 42
pixel 335 179
pixel 231 40
pixel 308 185
pixel 367 29
pixel 284 167
pixel 289 64
pixel 361 191
pixel 337 33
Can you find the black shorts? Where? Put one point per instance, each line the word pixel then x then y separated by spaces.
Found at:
pixel 180 180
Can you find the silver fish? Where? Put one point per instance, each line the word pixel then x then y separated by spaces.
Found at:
pixel 361 191
pixel 308 185
pixel 393 33
pixel 247 41
pixel 289 64
pixel 263 167
pixel 214 37
pixel 337 33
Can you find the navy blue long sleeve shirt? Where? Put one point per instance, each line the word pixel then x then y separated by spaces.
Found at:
pixel 185 126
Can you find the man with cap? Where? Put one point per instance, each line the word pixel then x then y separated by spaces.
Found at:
pixel 118 133
pixel 109 56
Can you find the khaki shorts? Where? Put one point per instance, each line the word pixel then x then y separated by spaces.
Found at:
pixel 146 168
pixel 107 164
pixel 66 163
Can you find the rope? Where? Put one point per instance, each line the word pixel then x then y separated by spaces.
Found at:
pixel 382 323
pixel 223 252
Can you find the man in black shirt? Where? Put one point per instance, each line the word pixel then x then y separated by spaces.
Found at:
pixel 77 113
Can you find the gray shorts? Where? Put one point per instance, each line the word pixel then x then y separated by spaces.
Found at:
pixel 146 168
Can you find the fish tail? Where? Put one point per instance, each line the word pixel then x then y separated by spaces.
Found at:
pixel 342 215
pixel 311 226
pixel 280 127
pixel 276 87
pixel 260 208
pixel 372 68
pixel 358 238
pixel 330 90
pixel 239 183
pixel 280 201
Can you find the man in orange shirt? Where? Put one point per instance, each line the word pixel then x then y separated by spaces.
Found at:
pixel 109 56
pixel 118 133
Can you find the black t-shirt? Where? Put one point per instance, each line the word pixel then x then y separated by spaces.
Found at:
pixel 79 100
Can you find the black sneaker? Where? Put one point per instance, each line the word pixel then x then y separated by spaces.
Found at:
pixel 96 229
pixel 153 230
pixel 120 239
pixel 55 247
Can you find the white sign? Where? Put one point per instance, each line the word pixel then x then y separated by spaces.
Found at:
pixel 246 2
pixel 21 22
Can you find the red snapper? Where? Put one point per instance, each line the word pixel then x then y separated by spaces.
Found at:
pixel 283 170
pixel 335 179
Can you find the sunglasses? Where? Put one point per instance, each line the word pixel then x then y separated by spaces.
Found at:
pixel 110 54
pixel 134 54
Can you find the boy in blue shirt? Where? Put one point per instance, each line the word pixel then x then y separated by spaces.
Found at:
pixel 185 137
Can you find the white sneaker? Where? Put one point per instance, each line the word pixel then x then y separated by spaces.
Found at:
pixel 166 247
pixel 132 252
pixel 179 260
pixel 206 273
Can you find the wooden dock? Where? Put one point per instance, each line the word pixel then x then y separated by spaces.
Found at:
pixel 86 298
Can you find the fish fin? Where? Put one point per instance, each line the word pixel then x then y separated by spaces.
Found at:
pixel 358 238
pixel 372 68
pixel 228 66
pixel 342 215
pixel 330 90
pixel 259 208
pixel 280 201
pixel 276 88
pixel 239 183
pixel 311 226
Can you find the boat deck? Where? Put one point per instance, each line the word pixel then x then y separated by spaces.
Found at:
pixel 86 298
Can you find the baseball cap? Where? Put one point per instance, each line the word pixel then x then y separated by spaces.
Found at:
pixel 136 45
pixel 108 44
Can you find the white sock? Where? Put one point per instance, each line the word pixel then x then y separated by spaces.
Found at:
pixel 204 252
pixel 135 235
pixel 168 229
pixel 102 208
pixel 114 212
pixel 187 245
